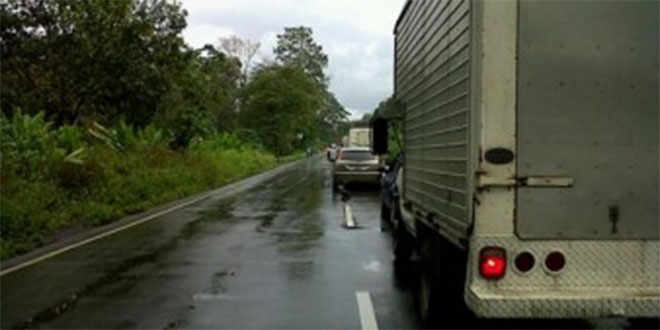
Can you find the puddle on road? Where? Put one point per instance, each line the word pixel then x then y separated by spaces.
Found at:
pixel 265 222
pixel 303 220
pixel 372 266
pixel 218 288
pixel 116 282
pixel 299 270
pixel 221 212
pixel 292 213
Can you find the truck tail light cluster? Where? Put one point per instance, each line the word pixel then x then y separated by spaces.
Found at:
pixel 492 263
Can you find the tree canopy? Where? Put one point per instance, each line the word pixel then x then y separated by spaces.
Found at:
pixel 125 61
pixel 296 46
pixel 282 101
pixel 242 49
pixel 96 58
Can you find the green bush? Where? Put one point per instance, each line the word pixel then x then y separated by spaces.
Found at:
pixel 152 136
pixel 226 141
pixel 54 179
pixel 70 138
pixel 27 144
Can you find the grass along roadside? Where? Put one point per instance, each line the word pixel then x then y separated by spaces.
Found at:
pixel 45 191
pixel 33 212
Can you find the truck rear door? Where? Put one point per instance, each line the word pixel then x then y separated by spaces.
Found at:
pixel 588 113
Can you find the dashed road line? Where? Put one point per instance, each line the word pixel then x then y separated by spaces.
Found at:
pixel 349 221
pixel 367 315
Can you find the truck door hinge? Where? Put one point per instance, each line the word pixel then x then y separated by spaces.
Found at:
pixel 529 181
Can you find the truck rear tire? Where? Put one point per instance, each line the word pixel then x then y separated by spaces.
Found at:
pixel 385 212
pixel 442 281
pixel 426 295
pixel 404 243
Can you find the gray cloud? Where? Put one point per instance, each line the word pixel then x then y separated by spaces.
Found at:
pixel 356 35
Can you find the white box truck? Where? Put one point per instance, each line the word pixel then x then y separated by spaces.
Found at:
pixel 532 160
pixel 359 137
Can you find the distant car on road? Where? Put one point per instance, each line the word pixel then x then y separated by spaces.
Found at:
pixel 356 165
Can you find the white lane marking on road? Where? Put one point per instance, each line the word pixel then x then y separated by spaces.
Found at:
pixel 97 237
pixel 367 316
pixel 349 222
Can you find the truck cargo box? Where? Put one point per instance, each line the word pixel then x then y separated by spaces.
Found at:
pixel 531 128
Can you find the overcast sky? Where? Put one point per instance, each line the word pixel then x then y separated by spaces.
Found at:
pixel 355 34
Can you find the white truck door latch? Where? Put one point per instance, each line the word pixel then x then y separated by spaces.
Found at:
pixel 528 181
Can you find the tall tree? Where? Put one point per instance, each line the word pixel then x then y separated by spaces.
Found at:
pixel 296 46
pixel 201 100
pixel 243 49
pixel 332 119
pixel 281 104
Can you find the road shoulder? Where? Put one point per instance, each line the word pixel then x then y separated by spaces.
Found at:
pixel 88 236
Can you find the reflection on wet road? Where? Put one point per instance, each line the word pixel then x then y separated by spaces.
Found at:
pixel 273 256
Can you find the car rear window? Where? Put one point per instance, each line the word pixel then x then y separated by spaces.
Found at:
pixel 357 155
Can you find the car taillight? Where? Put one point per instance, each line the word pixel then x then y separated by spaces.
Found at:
pixel 341 155
pixel 492 262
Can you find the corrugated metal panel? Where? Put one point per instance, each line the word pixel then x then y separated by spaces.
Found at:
pixel 433 80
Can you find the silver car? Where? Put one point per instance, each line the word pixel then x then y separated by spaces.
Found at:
pixel 356 164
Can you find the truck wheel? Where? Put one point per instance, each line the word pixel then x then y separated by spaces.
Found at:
pixel 404 244
pixel 440 285
pixel 385 211
pixel 395 216
pixel 430 282
pixel 426 296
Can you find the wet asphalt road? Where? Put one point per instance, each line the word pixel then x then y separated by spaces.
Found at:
pixel 274 256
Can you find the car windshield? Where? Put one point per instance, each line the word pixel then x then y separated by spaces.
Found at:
pixel 359 155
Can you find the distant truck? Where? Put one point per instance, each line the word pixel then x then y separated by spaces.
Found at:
pixel 532 156
pixel 359 137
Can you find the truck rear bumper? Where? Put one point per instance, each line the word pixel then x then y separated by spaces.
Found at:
pixel 594 303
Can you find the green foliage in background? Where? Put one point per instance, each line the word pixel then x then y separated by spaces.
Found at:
pixel 281 102
pixel 333 120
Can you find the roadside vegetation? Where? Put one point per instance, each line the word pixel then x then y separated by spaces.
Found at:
pixel 106 111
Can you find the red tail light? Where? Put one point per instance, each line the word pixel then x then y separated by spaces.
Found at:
pixel 341 155
pixel 492 263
